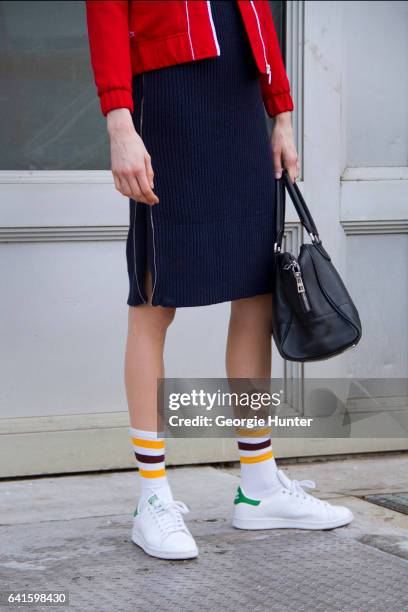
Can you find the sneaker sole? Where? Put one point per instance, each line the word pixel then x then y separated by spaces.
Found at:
pixel 271 523
pixel 153 552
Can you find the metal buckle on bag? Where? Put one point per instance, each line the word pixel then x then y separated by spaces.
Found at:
pixel 315 238
pixel 276 247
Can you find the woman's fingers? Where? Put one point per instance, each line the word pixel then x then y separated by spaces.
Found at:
pixel 122 185
pixel 117 181
pixel 277 161
pixel 135 188
pixel 149 170
pixel 287 160
pixel 283 146
pixel 135 185
pixel 149 196
pixel 291 163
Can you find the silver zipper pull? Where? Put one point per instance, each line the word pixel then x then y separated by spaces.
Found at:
pixel 294 267
pixel 299 283
pixel 269 73
pixel 301 290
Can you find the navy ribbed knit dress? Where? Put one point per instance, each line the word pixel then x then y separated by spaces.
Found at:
pixel 210 238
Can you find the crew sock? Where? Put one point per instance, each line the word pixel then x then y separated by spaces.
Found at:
pixel 149 449
pixel 258 467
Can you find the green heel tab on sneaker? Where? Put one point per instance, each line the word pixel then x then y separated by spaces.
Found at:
pixel 240 498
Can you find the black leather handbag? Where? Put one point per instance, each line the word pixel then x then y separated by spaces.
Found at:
pixel 313 314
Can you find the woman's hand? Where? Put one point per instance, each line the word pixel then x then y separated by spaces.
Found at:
pixel 131 164
pixel 283 147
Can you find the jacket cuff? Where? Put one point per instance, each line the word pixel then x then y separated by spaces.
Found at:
pixel 116 98
pixel 278 103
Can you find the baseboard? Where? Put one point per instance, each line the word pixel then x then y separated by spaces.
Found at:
pixel 94 442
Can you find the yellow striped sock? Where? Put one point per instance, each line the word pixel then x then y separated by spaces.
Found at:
pixel 258 466
pixel 149 449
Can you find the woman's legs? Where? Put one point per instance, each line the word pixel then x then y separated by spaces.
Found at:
pixel 249 356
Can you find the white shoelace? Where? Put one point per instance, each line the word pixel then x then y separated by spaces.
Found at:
pixel 168 516
pixel 296 488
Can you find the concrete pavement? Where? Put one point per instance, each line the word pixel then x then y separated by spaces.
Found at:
pixel 73 533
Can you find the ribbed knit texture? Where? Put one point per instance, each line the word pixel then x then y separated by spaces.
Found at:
pixel 116 98
pixel 210 239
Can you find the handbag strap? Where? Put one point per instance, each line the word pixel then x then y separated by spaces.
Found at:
pixel 300 205
pixel 279 214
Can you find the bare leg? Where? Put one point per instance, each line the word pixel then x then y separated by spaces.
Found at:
pixel 249 338
pixel 147 327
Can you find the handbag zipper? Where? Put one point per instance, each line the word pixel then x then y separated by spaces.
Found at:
pixel 294 267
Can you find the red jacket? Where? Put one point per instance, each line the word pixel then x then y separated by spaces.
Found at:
pixel 130 37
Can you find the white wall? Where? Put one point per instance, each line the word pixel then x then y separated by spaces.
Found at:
pixel 63 310
pixel 374 189
pixel 375 82
pixel 62 257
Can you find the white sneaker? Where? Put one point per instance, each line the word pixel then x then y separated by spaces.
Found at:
pixel 159 529
pixel 288 507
